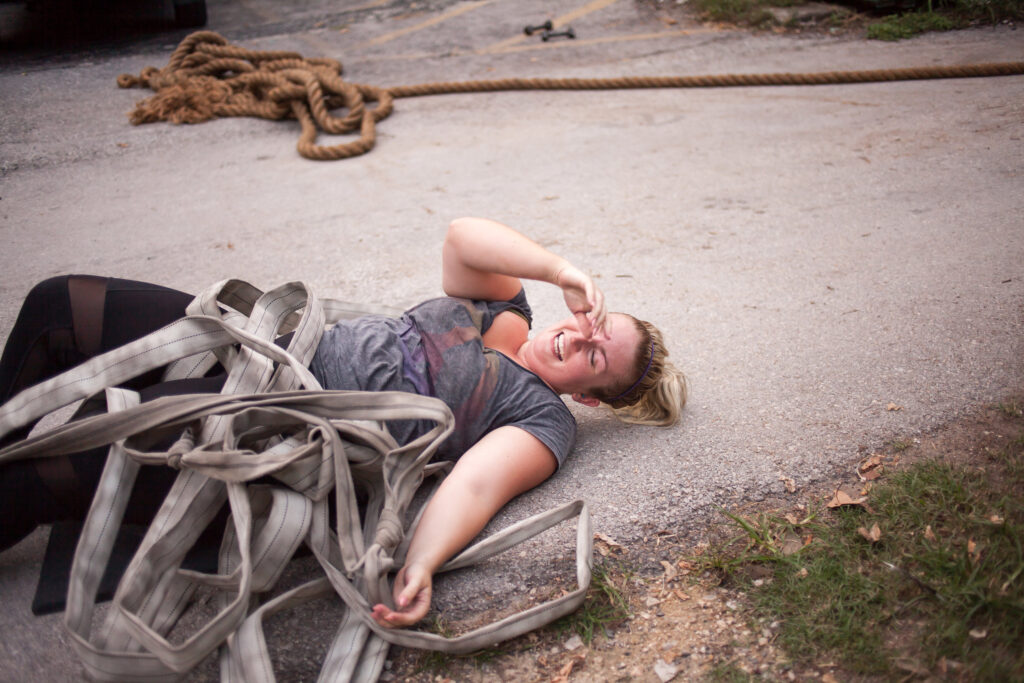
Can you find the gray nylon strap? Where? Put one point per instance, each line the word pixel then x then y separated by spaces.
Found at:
pixel 274 420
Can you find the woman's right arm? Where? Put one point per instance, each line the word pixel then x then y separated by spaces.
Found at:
pixel 504 463
pixel 484 259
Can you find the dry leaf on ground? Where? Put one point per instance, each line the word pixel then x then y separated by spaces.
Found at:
pixel 874 535
pixel 791 543
pixel 604 538
pixel 841 498
pixel 670 571
pixel 893 407
pixel 911 665
pixel 606 544
pixel 563 673
pixel 973 551
pixel 870 468
pixel 789 483
pixel 929 535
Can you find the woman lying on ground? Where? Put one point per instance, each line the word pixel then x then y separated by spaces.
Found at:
pixel 470 349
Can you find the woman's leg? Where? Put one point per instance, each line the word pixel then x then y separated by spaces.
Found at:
pixel 67 320
pixel 63 322
pixel 43 491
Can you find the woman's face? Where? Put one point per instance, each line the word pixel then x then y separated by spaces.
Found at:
pixel 573 364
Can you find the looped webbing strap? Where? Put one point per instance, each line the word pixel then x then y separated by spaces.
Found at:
pixel 271 420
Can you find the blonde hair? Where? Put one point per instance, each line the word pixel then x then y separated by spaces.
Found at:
pixel 658 396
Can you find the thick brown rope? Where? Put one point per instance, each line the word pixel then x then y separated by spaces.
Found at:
pixel 208 78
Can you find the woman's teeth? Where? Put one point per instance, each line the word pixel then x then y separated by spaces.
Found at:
pixel 559 340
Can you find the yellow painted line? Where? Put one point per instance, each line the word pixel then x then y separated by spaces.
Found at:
pixel 426 24
pixel 419 56
pixel 561 44
pixel 591 6
pixel 369 5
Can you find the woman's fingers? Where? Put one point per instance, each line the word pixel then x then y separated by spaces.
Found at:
pixel 585 300
pixel 389 618
pixel 412 593
pixel 584 323
pixel 599 315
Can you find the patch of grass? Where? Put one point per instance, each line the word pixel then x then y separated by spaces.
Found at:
pixel 740 12
pixel 900 445
pixel 1011 408
pixel 942 590
pixel 605 606
pixel 727 672
pixel 900 26
pixel 945 15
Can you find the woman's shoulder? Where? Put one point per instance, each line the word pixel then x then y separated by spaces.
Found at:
pixel 522 399
pixel 480 313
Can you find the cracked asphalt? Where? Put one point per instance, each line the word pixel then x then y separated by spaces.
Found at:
pixel 816 256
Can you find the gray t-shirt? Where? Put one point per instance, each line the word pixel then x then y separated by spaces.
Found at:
pixel 436 349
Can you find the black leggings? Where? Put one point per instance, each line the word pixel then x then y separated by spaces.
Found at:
pixel 65 321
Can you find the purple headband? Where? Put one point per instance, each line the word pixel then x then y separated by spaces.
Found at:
pixel 641 379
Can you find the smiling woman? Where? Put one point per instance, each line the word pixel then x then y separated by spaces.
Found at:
pixel 471 349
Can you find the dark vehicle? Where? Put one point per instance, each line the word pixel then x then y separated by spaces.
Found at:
pixel 187 13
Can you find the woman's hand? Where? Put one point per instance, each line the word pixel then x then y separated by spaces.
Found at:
pixel 584 300
pixel 412 591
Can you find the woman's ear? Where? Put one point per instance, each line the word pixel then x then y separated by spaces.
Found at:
pixel 586 400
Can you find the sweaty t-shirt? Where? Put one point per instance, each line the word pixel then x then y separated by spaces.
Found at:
pixel 436 349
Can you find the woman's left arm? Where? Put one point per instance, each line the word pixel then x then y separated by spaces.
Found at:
pixel 484 259
pixel 503 464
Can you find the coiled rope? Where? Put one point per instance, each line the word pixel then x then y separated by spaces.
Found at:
pixel 207 78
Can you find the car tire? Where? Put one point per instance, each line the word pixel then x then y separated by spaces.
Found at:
pixel 190 13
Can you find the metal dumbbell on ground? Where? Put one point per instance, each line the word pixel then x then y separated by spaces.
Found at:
pixel 567 33
pixel 530 30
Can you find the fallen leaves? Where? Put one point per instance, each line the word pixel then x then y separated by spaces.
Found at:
pixel 566 670
pixel 788 482
pixel 892 407
pixel 841 498
pixel 606 545
pixel 911 665
pixel 791 543
pixel 973 551
pixel 872 535
pixel 870 468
